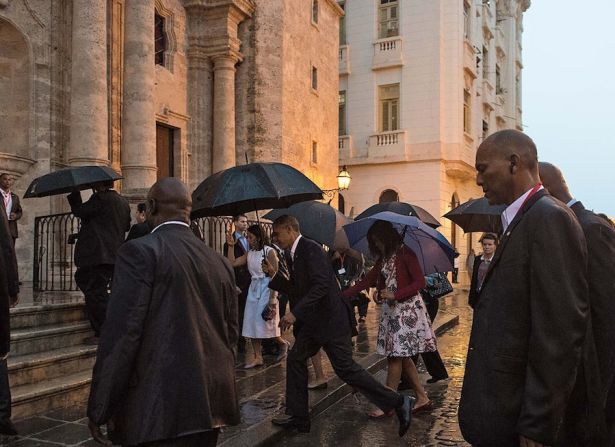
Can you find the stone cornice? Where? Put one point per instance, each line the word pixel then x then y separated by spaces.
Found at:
pixel 245 7
pixel 336 7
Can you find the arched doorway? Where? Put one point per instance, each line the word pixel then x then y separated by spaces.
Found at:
pixel 388 195
pixel 341 204
pixel 14 91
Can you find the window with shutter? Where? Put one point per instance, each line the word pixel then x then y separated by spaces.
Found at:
pixel 388 19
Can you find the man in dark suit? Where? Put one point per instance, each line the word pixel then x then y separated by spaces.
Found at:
pixel 531 315
pixel 242 275
pixel 165 369
pixel 105 218
pixel 12 206
pixel 489 242
pixel 9 293
pixel 321 318
pixel 595 381
pixel 142 227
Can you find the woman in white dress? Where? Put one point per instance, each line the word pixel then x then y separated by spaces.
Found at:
pixel 260 296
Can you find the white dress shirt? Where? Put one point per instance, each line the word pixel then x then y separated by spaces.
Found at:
pixel 171 222
pixel 572 202
pixel 294 247
pixel 513 209
pixel 7 201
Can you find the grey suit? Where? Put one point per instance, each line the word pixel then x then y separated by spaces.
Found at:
pixel 530 320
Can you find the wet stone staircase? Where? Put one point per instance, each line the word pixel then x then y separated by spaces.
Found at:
pixel 49 366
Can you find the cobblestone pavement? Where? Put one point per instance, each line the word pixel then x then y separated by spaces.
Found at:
pixel 345 423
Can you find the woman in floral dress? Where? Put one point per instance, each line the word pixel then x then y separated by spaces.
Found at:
pixel 404 329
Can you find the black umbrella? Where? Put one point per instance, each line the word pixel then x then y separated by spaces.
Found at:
pixel 317 220
pixel 252 187
pixel 403 208
pixel 477 215
pixel 67 180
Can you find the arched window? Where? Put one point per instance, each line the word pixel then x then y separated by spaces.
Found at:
pixel 341 204
pixel 388 195
pixel 160 39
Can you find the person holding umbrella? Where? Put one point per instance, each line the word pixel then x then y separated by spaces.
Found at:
pixel 261 302
pixel 105 218
pixel 405 329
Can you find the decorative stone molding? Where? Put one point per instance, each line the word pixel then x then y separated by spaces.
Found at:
pixel 15 164
pixel 169 31
pixel 459 170
pixel 4 3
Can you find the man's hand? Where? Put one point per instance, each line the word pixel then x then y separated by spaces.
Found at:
pixel 387 295
pixel 97 434
pixel 287 321
pixel 230 240
pixel 13 301
pixel 526 442
pixel 12 216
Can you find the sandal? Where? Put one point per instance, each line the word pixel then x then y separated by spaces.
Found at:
pixel 379 414
pixel 427 406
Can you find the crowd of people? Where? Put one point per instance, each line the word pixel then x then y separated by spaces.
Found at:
pixel 541 360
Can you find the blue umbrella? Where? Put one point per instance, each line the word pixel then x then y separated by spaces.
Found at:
pixel 434 252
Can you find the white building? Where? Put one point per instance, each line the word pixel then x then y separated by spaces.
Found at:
pixel 422 82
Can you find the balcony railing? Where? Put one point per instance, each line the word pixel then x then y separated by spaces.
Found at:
pixel 54 269
pixel 391 145
pixel 388 53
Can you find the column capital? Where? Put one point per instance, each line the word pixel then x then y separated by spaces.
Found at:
pixel 243 8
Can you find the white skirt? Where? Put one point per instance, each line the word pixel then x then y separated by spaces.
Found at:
pixel 253 324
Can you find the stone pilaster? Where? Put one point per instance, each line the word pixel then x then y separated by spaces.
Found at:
pixel 89 116
pixel 224 118
pixel 138 152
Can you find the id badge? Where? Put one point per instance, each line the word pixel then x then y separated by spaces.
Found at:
pixel 341 271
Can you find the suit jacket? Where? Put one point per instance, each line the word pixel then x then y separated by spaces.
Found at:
pixel 242 274
pixel 166 364
pixel 529 326
pixel 314 294
pixel 9 283
pixel 585 423
pixel 105 218
pixel 138 230
pixel 473 295
pixel 16 208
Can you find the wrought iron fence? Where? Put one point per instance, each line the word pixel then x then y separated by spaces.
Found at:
pixel 53 254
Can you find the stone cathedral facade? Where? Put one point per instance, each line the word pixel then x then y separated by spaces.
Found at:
pixel 159 88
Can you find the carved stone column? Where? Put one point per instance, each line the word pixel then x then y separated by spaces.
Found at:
pixel 224 118
pixel 138 152
pixel 89 114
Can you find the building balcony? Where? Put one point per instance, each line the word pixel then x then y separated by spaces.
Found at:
pixel 469 59
pixel 344 146
pixel 344 60
pixel 388 53
pixel 388 146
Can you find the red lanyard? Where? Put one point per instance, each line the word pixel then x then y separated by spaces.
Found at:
pixel 532 192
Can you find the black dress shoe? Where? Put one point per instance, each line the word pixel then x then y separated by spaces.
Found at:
pixel 7 428
pixel 291 422
pixel 404 414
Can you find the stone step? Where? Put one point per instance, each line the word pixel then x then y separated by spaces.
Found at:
pixel 47 314
pixel 62 392
pixel 32 340
pixel 34 368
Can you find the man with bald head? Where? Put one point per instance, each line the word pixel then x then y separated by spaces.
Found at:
pixel 164 374
pixel 530 315
pixel 600 238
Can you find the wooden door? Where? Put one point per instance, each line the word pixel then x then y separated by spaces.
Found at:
pixel 164 151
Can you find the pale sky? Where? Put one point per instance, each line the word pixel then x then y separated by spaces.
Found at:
pixel 569 93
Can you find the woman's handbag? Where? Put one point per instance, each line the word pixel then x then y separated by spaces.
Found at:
pixel 269 312
pixel 441 286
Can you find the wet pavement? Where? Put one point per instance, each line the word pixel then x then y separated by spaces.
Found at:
pixel 346 424
pixel 261 395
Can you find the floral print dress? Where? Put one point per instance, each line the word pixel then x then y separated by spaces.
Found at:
pixel 404 329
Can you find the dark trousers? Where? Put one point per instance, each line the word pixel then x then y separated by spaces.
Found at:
pixel 204 439
pixel 282 302
pixel 339 351
pixel 5 392
pixel 361 302
pixel 432 360
pixel 455 274
pixel 94 282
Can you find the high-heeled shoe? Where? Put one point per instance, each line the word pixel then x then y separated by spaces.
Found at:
pixel 379 414
pixel 427 406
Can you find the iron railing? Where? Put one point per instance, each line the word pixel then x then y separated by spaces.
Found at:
pixel 54 268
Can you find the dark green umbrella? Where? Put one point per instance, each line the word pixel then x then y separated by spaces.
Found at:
pixel 477 215
pixel 67 180
pixel 252 187
pixel 403 208
pixel 318 221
